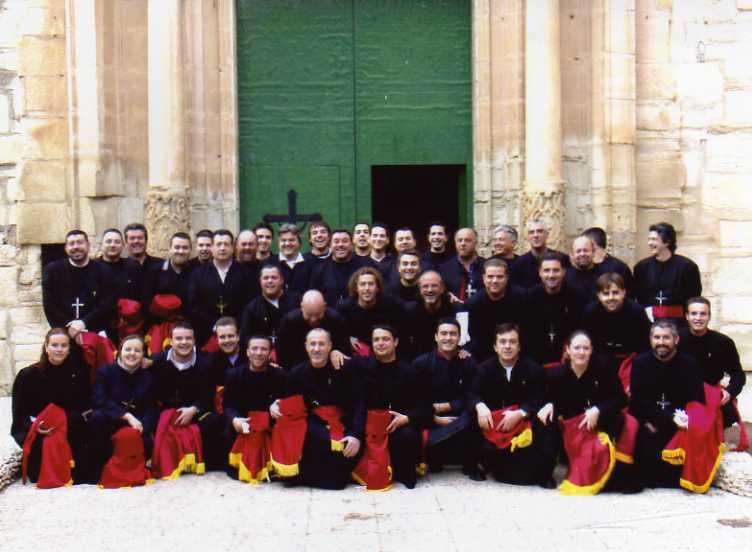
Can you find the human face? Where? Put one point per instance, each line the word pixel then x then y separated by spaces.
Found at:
pixel 182 343
pixel 384 345
pixel 112 246
pixel 342 247
pixel 663 343
pixel 228 339
pixel 258 353
pixel 313 312
pixel 656 244
pixel 180 251
pixel 409 268
pixel 77 248
pixel 264 238
pixel 579 351
pixel 404 240
pixel 289 245
pixel 430 288
pixel 319 238
pixel 222 248
pixel 503 244
pixel 318 346
pixel 246 246
pixel 447 339
pixel 204 249
pixel 612 298
pixel 132 353
pixel 378 239
pixel 135 240
pixel 464 243
pixel 552 275
pixel 57 348
pixel 271 282
pixel 495 280
pixel 582 253
pixel 507 347
pixel 698 317
pixel 361 233
pixel 437 238
pixel 367 289
pixel 537 235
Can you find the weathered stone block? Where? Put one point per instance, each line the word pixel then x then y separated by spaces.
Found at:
pixel 728 191
pixel 660 179
pixel 3 324
pixel 8 255
pixel 43 181
pixel 738 107
pixel 44 21
pixel 736 235
pixel 43 223
pixel 28 334
pixel 623 121
pixel 10 149
pixel 659 116
pixel 41 56
pixel 735 309
pixel 729 153
pixel 45 138
pixel 46 94
pixel 6 120
pixel 699 84
pixel 711 11
pixel 27 315
pixel 653 36
pixel 26 354
pixel 8 285
pixel 731 275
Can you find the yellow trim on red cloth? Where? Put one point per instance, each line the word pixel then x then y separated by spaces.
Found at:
pixel 570 489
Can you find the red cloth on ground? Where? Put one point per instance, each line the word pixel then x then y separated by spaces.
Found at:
pixel 126 467
pixel 699 448
pixel 56 458
pixel 625 445
pixel 520 435
pixel 591 458
pixel 98 351
pixel 177 449
pixel 288 436
pixel 373 469
pixel 251 452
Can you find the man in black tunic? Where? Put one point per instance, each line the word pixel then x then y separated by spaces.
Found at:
pixel 433 304
pixel 405 288
pixel 498 302
pixel 218 363
pixel 296 270
pixel 663 382
pixel 322 385
pixel 319 236
pixel 295 325
pixel 331 276
pixel 525 273
pixel 584 272
pixel 246 246
pixel 361 234
pixel 380 258
pixel 506 380
pixel 173 275
pixel 665 281
pixel 220 288
pixel 77 294
pixel 438 253
pixel 136 240
pixel 504 244
pixel 203 248
pixel 553 310
pixel 263 315
pixel 264 238
pixel 462 274
pixel 716 354
pixel 605 261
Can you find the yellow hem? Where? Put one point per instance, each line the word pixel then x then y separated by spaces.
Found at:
pixel 285 470
pixel 624 458
pixel 674 457
pixel 244 474
pixel 337 446
pixel 701 489
pixel 523 440
pixel 421 469
pixel 570 489
pixel 187 464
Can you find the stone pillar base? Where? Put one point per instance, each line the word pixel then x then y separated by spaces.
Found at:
pixel 546 204
pixel 167 211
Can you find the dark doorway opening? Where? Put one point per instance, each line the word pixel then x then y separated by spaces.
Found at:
pixel 416 195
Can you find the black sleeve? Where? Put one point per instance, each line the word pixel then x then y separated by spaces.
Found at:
pixel 198 316
pixel 100 316
pixel 737 377
pixel 691 282
pixel 475 393
pixel 421 415
pixel 51 302
pixel 231 399
pixel 537 385
pixel 20 405
pixel 613 397
pixel 102 396
pixel 358 404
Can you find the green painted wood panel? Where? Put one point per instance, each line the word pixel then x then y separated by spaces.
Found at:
pixel 328 88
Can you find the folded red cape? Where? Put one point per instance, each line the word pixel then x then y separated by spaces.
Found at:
pixel 158 337
pixel 126 467
pixel 288 436
pixel 98 351
pixel 130 320
pixel 592 458
pixel 177 449
pixel 251 452
pixel 165 306
pixel 625 371
pixel 374 469
pixel 57 458
pixel 520 436
pixel 625 445
pixel 211 345
pixel 332 415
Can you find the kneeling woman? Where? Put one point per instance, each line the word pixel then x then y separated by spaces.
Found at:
pixel 585 395
pixel 124 417
pixel 50 399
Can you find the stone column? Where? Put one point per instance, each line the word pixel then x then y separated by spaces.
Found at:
pixel 543 195
pixel 168 196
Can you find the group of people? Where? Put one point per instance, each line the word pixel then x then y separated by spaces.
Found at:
pixel 356 362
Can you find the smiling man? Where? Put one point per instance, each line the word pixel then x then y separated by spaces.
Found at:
pixel 294 268
pixel 463 274
pixel 331 276
pixel 173 275
pixel 438 251
pixel 525 272
pixel 406 287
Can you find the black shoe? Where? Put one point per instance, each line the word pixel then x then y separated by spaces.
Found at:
pixel 435 467
pixel 547 483
pixel 474 473
pixel 291 482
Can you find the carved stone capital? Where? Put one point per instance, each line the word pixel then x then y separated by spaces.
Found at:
pixel 547 205
pixel 167 211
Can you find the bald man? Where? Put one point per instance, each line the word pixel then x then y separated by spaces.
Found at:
pixel 246 246
pixel 463 274
pixel 583 273
pixel 295 325
pixel 524 272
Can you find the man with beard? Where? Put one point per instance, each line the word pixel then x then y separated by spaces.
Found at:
pixel 331 276
pixel 203 248
pixel 136 240
pixel 438 253
pixel 584 272
pixel 462 274
pixel 504 244
pixel 525 272
pixel 406 288
pixel 295 325
pixel 246 246
pixel 380 258
pixel 663 382
pixel 264 238
pixel 497 303
pixel 432 305
pixel 361 235
pixel 715 353
pixel 605 261
pixel 665 281
pixel 295 270
pixel 263 315
pixel 77 294
pixel 553 310
pixel 173 275
pixel 319 236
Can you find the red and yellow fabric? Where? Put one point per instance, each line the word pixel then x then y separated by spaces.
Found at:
pixel 98 351
pixel 743 443
pixel 625 444
pixel 177 449
pixel 591 455
pixel 130 320
pixel 165 307
pixel 520 436
pixel 211 345
pixel 251 452
pixel 127 466
pixel 700 447
pixel 625 371
pixel 422 468
pixel 332 415
pixel 56 456
pixel 158 337
pixel 361 349
pixel 667 311
pixel 288 436
pixel 374 470
pixel 219 399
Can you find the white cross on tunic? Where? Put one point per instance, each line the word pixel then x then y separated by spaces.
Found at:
pixel 663 403
pixel 77 305
pixel 552 335
pixel 660 298
pixel 470 290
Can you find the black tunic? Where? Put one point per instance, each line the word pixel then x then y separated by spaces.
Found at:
pixel 297 278
pixel 116 392
pixel 217 365
pixel 526 389
pixel 63 285
pixel 359 322
pixel 583 280
pixel 181 388
pixel 486 314
pixel 524 271
pixel 613 264
pixel 462 283
pixel 401 292
pixel 293 330
pixel 717 356
pixel 449 380
pixel 331 278
pixel 666 283
pixel 432 261
pixel 386 266
pixel 126 278
pixel 620 333
pixel 163 280
pixel 260 317
pixel 246 390
pixel 420 327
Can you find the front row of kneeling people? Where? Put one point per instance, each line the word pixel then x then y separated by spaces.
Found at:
pixel 376 419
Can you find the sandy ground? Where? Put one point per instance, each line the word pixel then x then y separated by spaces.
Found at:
pixel 445 512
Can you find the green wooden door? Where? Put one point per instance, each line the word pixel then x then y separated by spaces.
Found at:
pixel 329 88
